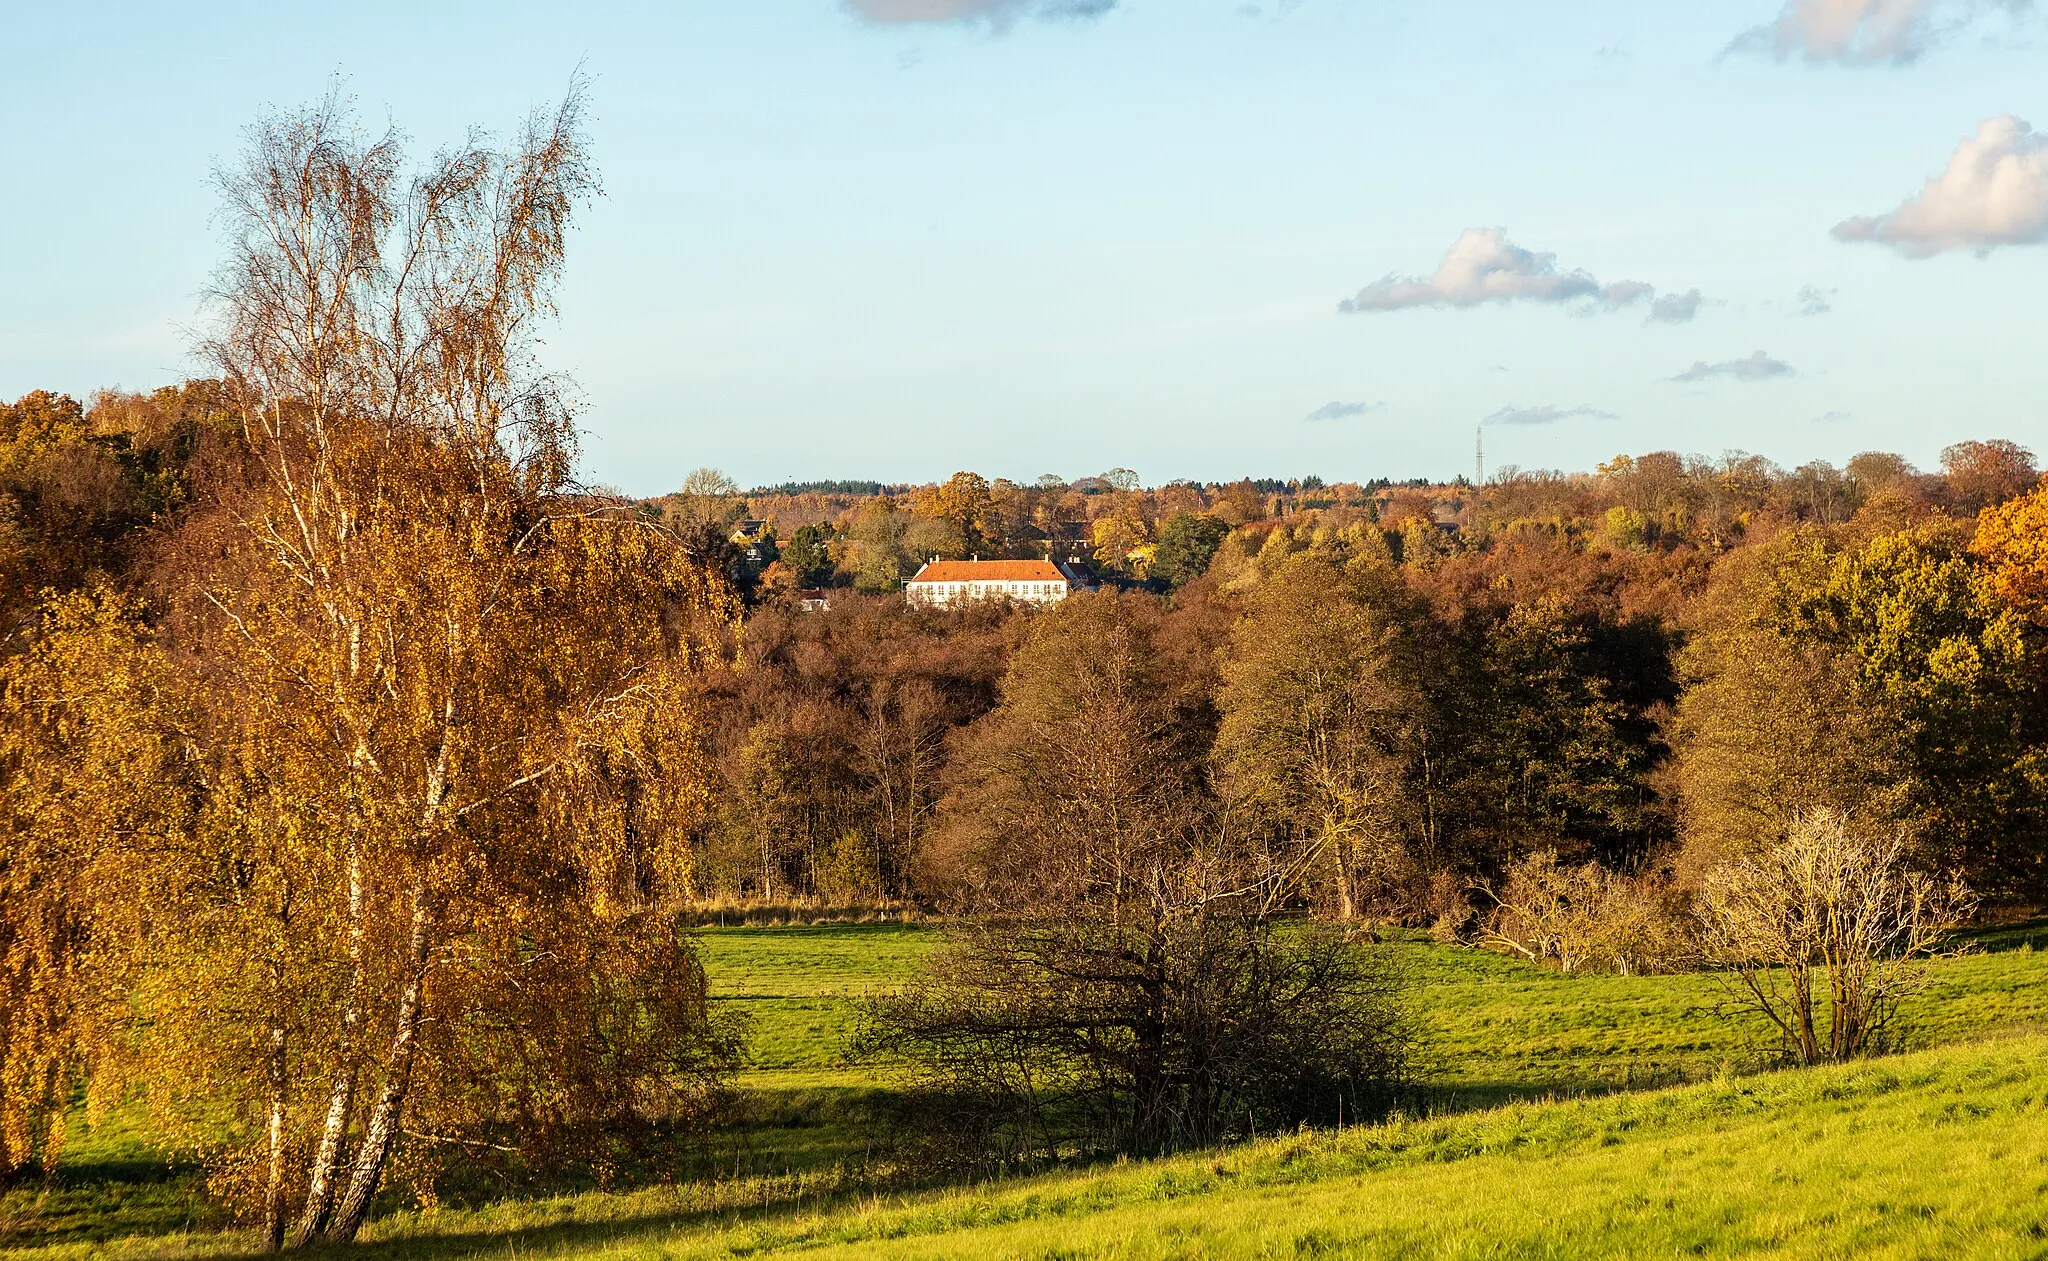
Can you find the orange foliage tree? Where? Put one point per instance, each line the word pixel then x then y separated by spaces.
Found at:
pixel 2012 539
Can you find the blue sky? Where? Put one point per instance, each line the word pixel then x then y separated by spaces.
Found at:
pixel 894 238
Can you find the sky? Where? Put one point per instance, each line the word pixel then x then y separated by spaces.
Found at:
pixel 1207 239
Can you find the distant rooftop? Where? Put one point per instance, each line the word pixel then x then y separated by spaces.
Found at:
pixel 991 571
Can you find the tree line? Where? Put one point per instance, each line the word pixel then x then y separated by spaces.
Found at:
pixel 1422 706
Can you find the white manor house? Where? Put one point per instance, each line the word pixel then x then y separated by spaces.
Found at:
pixel 941 583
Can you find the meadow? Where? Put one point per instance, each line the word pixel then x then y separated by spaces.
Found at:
pixel 1561 1116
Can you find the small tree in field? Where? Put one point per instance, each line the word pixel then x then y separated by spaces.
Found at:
pixel 1822 932
pixel 1173 1022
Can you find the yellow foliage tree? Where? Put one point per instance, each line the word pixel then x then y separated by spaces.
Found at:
pixel 963 501
pixel 92 769
pixel 1319 707
pixel 1119 538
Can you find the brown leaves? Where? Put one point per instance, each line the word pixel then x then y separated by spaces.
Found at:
pixel 418 723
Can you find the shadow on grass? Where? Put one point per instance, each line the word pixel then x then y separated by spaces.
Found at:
pixel 792 1130
pixel 233 1245
pixel 99 1201
pixel 551 1237
pixel 829 1109
pixel 792 1153
pixel 2027 935
pixel 80 1211
pixel 783 1151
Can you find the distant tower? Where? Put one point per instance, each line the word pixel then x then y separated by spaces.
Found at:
pixel 1478 457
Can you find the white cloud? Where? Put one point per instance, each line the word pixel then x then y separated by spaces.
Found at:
pixel 1546 415
pixel 998 13
pixel 1343 411
pixel 1625 293
pixel 1865 32
pixel 1676 308
pixel 1757 367
pixel 1481 266
pixel 1994 192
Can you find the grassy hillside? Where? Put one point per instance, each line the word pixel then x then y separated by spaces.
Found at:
pixel 1540 1135
pixel 1940 1153
pixel 1937 1154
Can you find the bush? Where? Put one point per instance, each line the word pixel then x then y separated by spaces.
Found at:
pixel 1583 918
pixel 1032 1043
pixel 1821 933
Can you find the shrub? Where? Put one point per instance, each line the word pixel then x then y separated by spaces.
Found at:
pixel 1582 918
pixel 1032 1043
pixel 1822 932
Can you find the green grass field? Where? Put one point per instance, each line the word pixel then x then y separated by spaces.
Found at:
pixel 803 1108
pixel 1495 1028
pixel 799 985
pixel 1565 1116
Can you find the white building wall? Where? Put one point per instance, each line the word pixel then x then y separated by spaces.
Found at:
pixel 947 594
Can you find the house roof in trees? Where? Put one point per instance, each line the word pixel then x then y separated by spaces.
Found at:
pixel 991 571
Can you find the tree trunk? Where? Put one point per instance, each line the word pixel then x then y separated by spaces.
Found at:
pixel 381 1130
pixel 341 1096
pixel 273 1194
pixel 1847 1010
pixel 1809 1040
pixel 1429 836
pixel 1340 870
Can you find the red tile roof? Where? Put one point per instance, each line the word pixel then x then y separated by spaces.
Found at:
pixel 990 571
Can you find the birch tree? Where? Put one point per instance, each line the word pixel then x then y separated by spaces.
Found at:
pixel 486 674
pixel 411 798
